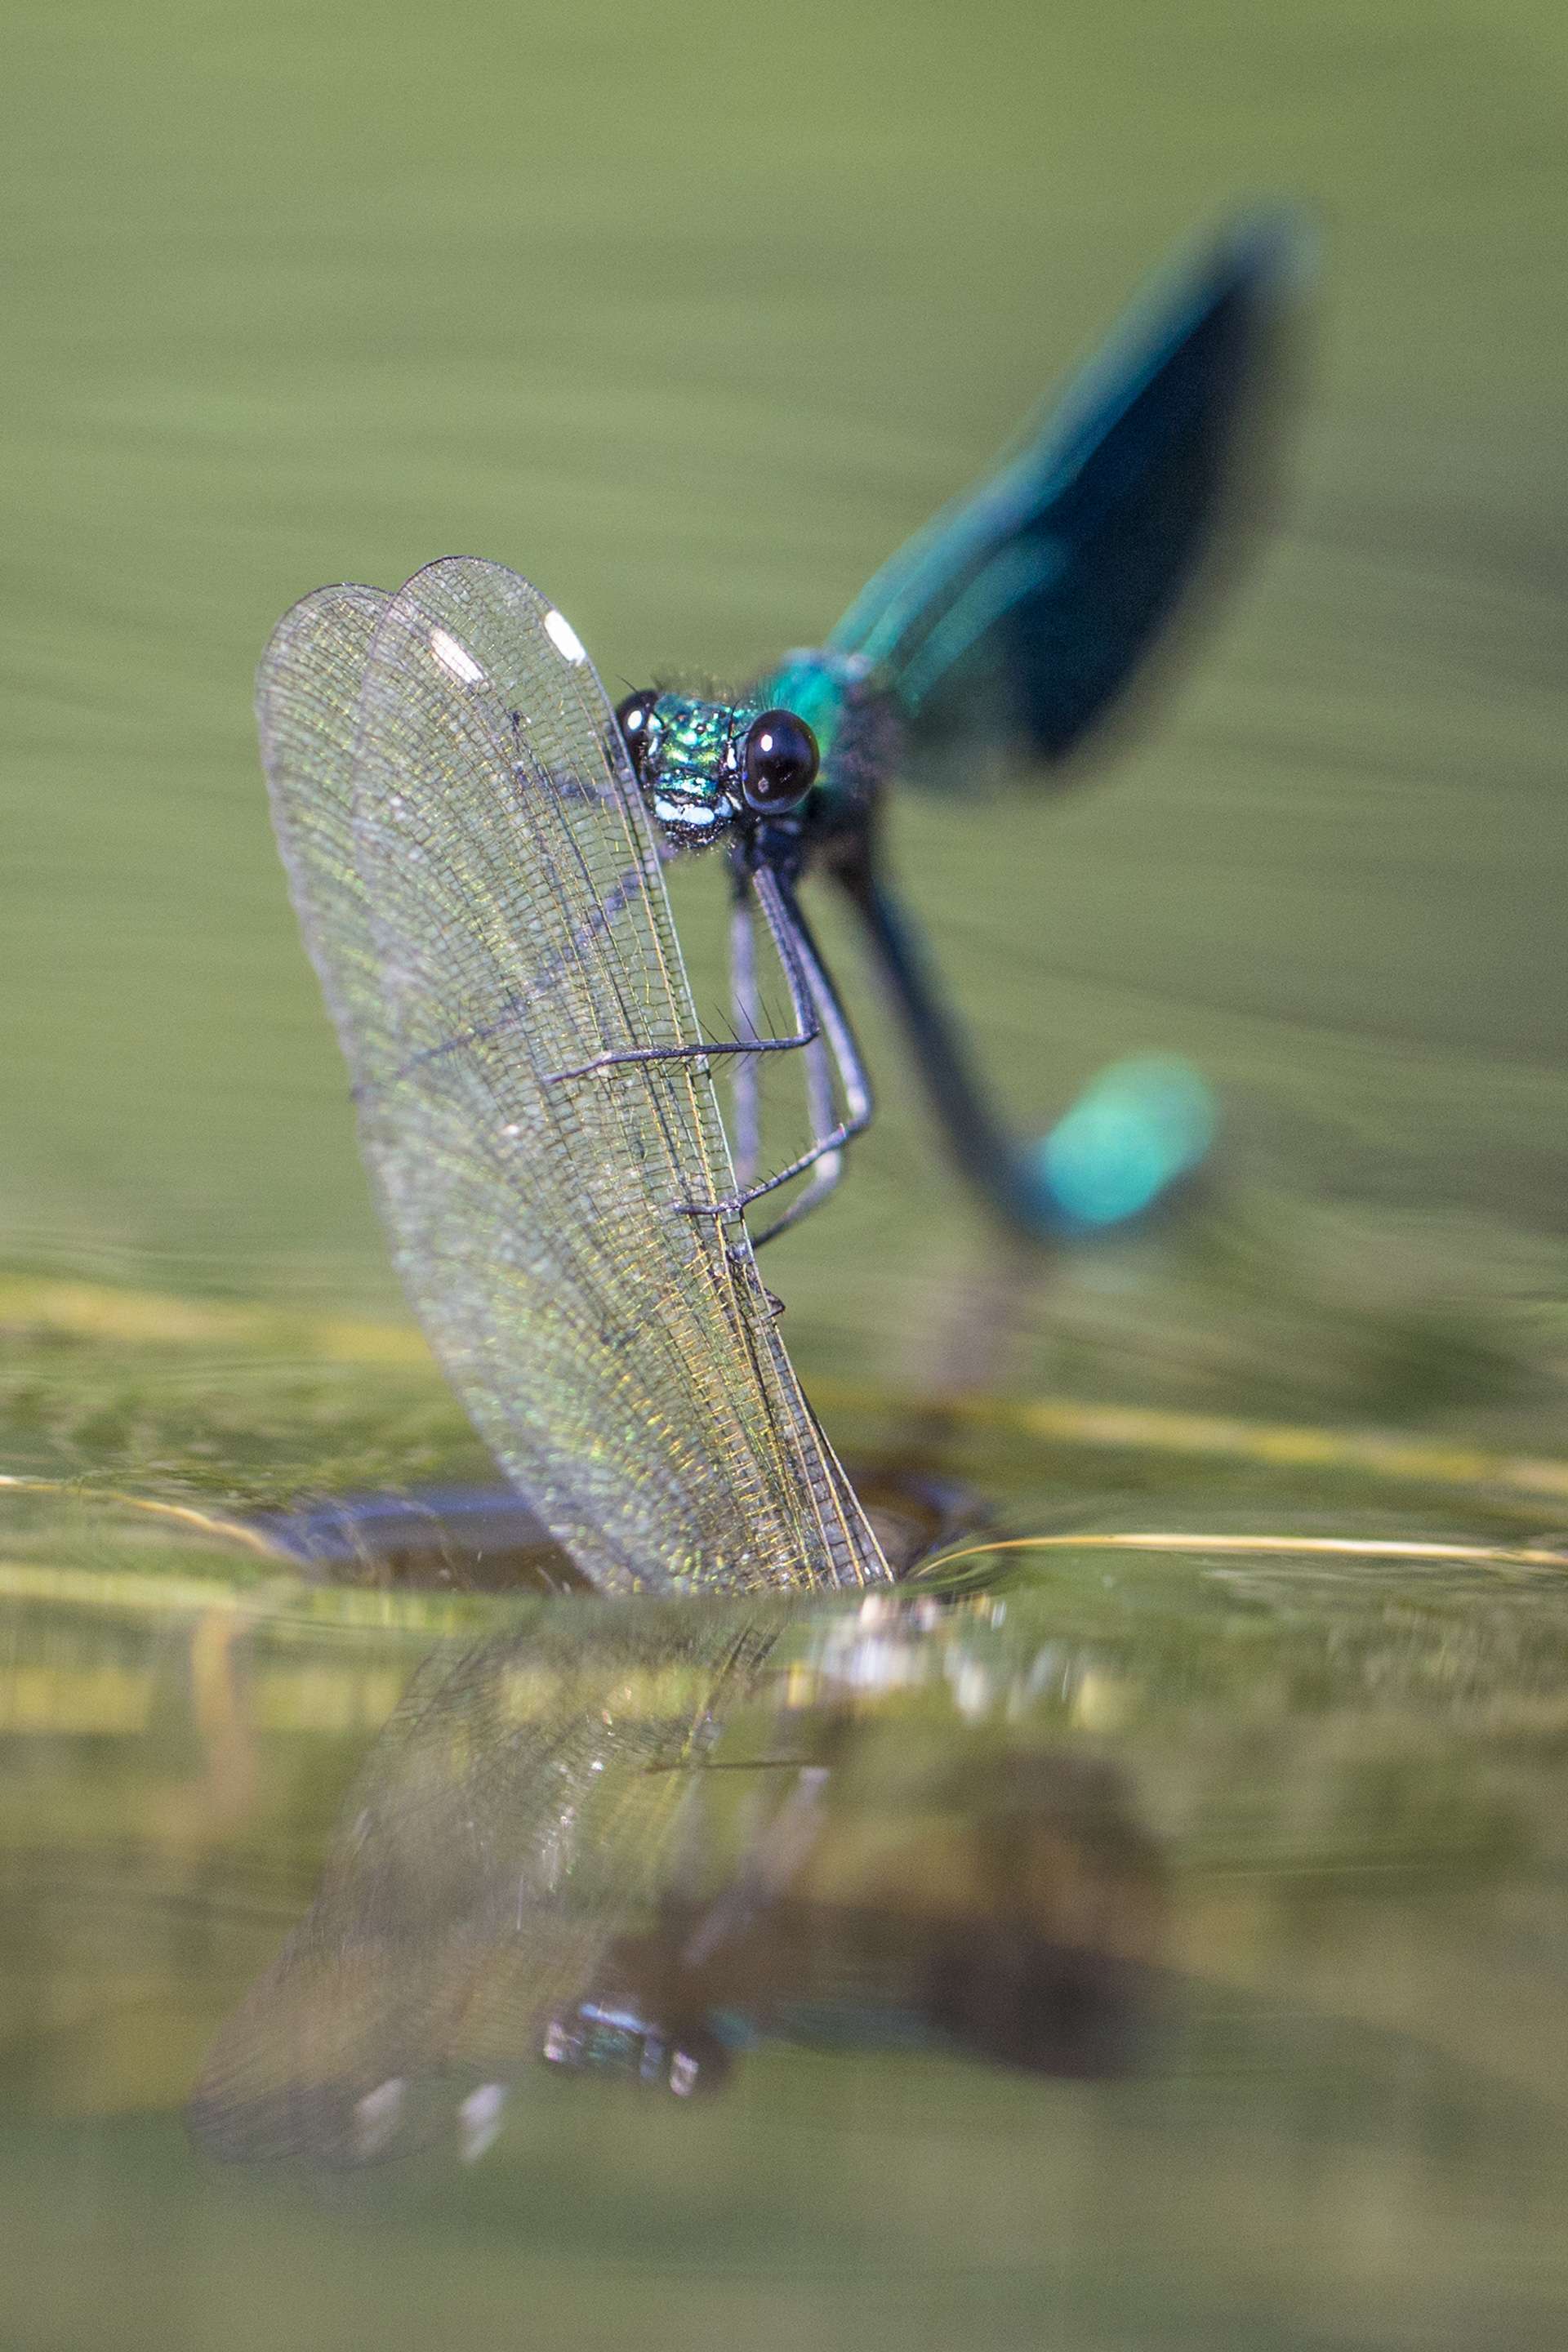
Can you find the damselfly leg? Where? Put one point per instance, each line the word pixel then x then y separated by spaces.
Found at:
pixel 822 1033
pixel 745 1005
pixel 807 1030
pixel 831 1058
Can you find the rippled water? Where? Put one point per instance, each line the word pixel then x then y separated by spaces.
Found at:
pixel 1156 1949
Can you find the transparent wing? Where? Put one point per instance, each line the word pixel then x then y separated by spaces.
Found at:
pixel 1023 609
pixel 481 894
pixel 515 1816
pixel 307 710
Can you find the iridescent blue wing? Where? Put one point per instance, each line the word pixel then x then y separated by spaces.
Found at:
pixel 481 889
pixel 1015 619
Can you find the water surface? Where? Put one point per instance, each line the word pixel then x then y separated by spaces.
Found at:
pixel 1174 1956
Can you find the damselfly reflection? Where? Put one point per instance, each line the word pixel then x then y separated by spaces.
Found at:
pixel 635 1839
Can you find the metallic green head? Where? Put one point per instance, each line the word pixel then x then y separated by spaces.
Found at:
pixel 707 767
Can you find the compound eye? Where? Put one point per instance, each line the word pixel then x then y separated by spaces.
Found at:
pixel 634 718
pixel 778 762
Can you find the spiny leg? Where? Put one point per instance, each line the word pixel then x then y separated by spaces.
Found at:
pixel 744 1004
pixel 816 1004
pixel 680 1054
pixel 746 1109
pixel 836 1053
pixel 807 1028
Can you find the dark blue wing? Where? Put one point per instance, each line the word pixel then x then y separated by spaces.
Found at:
pixel 1017 617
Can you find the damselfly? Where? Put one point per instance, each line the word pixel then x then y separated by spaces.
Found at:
pixel 475 842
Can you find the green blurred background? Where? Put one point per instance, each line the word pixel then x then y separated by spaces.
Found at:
pixel 692 315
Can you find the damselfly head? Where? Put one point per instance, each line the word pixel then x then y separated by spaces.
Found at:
pixel 705 767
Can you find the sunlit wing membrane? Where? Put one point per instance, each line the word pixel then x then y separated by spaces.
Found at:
pixel 481 895
pixel 306 709
pixel 1021 612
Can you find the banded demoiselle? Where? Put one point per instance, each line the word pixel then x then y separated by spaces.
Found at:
pixel 475 842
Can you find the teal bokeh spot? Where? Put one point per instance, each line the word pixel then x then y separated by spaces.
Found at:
pixel 1140 1126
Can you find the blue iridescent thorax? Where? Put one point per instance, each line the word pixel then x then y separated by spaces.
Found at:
pixel 792 748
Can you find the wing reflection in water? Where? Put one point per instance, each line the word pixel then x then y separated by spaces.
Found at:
pixel 638 1838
